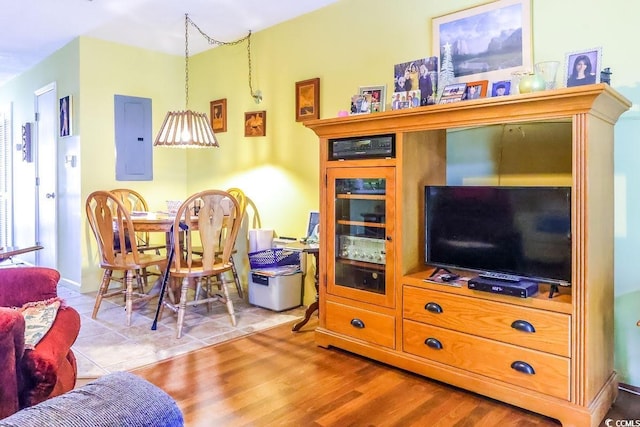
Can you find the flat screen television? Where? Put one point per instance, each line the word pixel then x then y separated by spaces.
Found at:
pixel 521 231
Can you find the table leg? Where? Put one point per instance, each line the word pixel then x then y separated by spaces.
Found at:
pixel 315 305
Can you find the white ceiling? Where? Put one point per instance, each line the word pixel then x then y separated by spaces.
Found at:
pixel 31 30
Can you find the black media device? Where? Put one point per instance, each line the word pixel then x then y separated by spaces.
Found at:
pixel 365 147
pixel 522 288
pixel 521 231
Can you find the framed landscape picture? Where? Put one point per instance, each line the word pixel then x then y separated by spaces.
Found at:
pixel 486 42
pixel 308 100
pixel 218 115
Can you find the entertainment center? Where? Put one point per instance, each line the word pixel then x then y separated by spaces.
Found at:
pixel 550 353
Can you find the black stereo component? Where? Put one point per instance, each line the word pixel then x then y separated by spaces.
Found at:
pixel 522 289
pixel 364 147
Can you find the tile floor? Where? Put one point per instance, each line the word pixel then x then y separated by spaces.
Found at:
pixel 107 344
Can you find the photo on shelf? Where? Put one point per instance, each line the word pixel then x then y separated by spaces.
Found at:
pixel 489 41
pixel 420 74
pixel 453 93
pixel 583 68
pixel 501 88
pixel 477 90
pixel 399 101
pixel 376 97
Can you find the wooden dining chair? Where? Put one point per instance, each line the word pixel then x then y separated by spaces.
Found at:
pixel 134 201
pixel 110 221
pixel 239 195
pixel 200 279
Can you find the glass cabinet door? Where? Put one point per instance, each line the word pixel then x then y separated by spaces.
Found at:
pixel 360 234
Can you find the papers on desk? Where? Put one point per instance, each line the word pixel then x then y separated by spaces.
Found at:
pixel 277 271
pixel 139 213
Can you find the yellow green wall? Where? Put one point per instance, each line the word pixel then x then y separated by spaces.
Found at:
pixel 349 44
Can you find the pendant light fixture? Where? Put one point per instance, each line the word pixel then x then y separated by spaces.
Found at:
pixel 186 128
pixel 189 128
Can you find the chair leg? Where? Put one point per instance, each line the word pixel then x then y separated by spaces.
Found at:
pixel 228 301
pixel 104 286
pixel 236 279
pixel 128 277
pixel 182 308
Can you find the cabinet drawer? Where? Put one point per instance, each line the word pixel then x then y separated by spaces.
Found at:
pixel 548 373
pixel 528 327
pixel 362 324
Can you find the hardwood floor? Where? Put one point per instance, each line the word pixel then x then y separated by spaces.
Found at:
pixel 281 378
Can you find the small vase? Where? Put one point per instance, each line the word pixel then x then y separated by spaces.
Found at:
pixel 531 83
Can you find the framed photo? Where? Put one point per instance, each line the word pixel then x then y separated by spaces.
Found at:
pixel 419 74
pixel 308 100
pixel 501 88
pixel 485 42
pixel 476 90
pixel 218 115
pixel 65 109
pixel 375 96
pixel 583 68
pixel 255 123
pixel 453 93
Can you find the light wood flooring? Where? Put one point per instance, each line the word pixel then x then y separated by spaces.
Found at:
pixel 279 378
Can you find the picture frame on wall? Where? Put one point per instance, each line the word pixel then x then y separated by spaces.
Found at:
pixel 255 123
pixel 218 111
pixel 376 96
pixel 308 99
pixel 477 89
pixel 583 68
pixel 65 110
pixel 501 35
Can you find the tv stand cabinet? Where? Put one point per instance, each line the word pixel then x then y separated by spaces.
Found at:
pixel 452 334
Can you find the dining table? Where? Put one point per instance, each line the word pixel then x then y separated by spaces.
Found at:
pixel 9 252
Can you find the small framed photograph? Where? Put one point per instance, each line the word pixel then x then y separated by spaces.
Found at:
pixel 477 90
pixel 583 68
pixel 376 96
pixel 501 88
pixel 255 123
pixel 453 93
pixel 308 100
pixel 65 109
pixel 218 115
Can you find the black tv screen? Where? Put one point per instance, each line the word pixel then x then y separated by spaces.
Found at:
pixel 523 231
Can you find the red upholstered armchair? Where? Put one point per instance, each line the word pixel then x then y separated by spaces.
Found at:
pixel 49 369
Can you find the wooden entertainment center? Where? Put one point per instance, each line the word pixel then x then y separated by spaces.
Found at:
pixel 391 310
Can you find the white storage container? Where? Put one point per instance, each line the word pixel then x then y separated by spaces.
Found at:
pixel 278 293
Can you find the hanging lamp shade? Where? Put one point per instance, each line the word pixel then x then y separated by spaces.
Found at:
pixel 186 129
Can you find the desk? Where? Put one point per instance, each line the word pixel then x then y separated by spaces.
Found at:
pixel 11 251
pixel 313 249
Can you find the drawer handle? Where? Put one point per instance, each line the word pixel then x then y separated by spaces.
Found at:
pixel 433 307
pixel 433 343
pixel 357 323
pixel 523 326
pixel 523 367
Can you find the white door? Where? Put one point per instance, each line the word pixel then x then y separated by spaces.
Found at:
pixel 46 155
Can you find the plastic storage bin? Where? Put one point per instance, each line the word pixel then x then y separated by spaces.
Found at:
pixel 278 293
